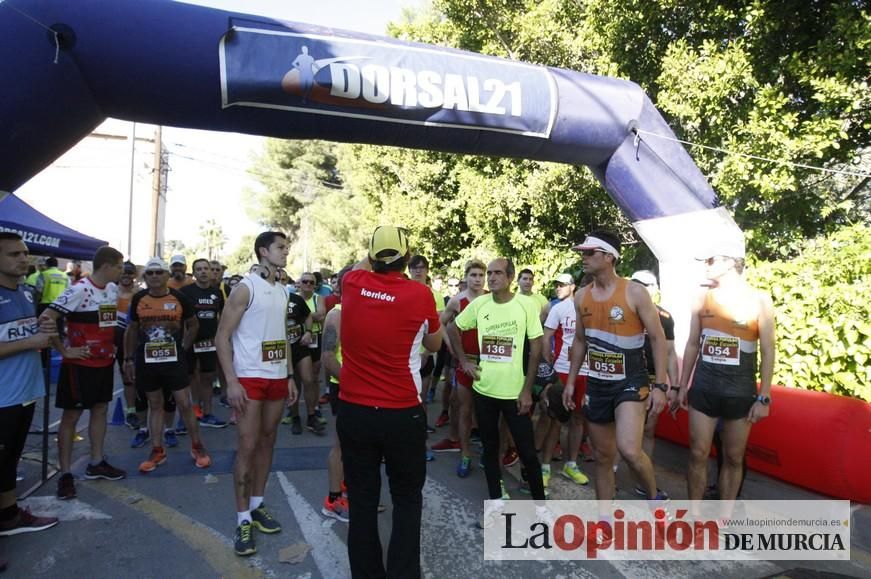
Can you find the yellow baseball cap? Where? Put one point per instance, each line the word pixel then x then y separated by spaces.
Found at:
pixel 388 244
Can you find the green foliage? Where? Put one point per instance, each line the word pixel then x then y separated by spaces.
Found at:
pixel 823 302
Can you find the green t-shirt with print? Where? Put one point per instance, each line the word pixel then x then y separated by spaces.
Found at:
pixel 502 329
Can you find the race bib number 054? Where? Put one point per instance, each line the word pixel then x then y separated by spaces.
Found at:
pixel 274 351
pixel 607 365
pixel 721 350
pixel 497 348
pixel 160 352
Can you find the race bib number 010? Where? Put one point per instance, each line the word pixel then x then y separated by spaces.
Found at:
pixel 723 350
pixel 108 315
pixel 274 351
pixel 160 352
pixel 497 348
pixel 204 346
pixel 607 365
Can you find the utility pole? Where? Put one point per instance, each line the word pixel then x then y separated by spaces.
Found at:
pixel 130 200
pixel 157 187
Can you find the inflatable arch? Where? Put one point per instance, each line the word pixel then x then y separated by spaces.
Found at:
pixel 69 65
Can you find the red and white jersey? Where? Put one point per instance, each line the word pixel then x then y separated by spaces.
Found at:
pixel 561 319
pixel 91 314
pixel 385 317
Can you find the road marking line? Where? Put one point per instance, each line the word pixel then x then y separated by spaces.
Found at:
pixel 218 554
pixel 328 550
pixel 77 510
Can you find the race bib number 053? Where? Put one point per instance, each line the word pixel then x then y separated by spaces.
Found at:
pixel 274 351
pixel 160 352
pixel 607 365
pixel 497 348
pixel 721 350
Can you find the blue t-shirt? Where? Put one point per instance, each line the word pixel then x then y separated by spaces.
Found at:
pixel 20 374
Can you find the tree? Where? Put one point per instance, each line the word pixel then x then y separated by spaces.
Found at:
pixel 212 239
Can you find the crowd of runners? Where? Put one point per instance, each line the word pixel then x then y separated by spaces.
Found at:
pixel 579 375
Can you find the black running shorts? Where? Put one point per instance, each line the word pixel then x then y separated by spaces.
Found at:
pixel 601 402
pixel 82 387
pixel 717 406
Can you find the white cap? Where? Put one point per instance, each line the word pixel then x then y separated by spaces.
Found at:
pixel 177 258
pixel 644 277
pixel 732 247
pixel 595 243
pixel 156 264
pixel 564 278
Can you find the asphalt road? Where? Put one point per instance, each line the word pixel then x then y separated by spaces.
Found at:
pixel 179 521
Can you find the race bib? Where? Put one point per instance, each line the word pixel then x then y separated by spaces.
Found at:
pixel 607 365
pixel 273 351
pixel 160 352
pixel 721 350
pixel 294 333
pixel 108 315
pixel 207 345
pixel 497 348
pixel 314 342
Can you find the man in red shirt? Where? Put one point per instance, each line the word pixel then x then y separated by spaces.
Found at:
pixel 385 319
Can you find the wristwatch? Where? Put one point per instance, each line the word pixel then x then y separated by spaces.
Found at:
pixel 661 386
pixel 675 388
pixel 765 400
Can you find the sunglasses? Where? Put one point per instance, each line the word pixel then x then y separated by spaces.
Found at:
pixel 591 252
pixel 307 282
pixel 715 259
pixel 154 272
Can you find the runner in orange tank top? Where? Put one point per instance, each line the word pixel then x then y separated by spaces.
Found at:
pixel 728 321
pixel 612 316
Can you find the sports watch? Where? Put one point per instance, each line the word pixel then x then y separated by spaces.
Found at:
pixel 765 400
pixel 661 386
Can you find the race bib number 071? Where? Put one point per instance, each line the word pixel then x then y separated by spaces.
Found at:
pixel 274 351
pixel 108 315
pixel 607 365
pixel 723 350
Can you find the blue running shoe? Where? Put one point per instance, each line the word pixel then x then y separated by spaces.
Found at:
pixel 169 438
pixel 140 439
pixel 212 421
pixel 180 428
pixel 429 455
pixel 464 468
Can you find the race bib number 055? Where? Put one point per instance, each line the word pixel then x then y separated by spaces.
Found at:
pixel 160 352
pixel 497 348
pixel 607 365
pixel 274 351
pixel 721 350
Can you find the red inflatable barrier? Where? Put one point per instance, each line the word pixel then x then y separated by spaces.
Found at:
pixel 815 440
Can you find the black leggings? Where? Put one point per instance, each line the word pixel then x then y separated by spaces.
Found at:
pixel 487 411
pixel 14 425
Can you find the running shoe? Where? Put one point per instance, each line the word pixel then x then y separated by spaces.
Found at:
pixel 263 521
pixel 169 438
pixel 132 421
pixel 198 411
pixel 287 419
pixel 464 468
pixel 344 489
pixel 443 419
pixel 447 445
pixel 545 477
pixel 243 542
pixel 212 421
pixel 200 456
pixel 574 474
pixel 66 487
pixel 643 492
pixel 140 439
pixel 224 402
pixel 19 476
pixel 26 522
pixel 314 424
pixel 429 456
pixel 181 429
pixel 337 509
pixel 320 417
pixel 430 429
pixel 104 470
pixel 505 495
pixel 155 459
pixel 296 425
pixel 511 457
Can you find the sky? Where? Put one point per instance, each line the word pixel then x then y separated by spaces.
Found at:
pixel 208 170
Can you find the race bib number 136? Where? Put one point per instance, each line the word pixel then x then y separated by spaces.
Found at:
pixel 497 348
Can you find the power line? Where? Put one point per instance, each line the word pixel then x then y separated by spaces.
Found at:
pixel 756 157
